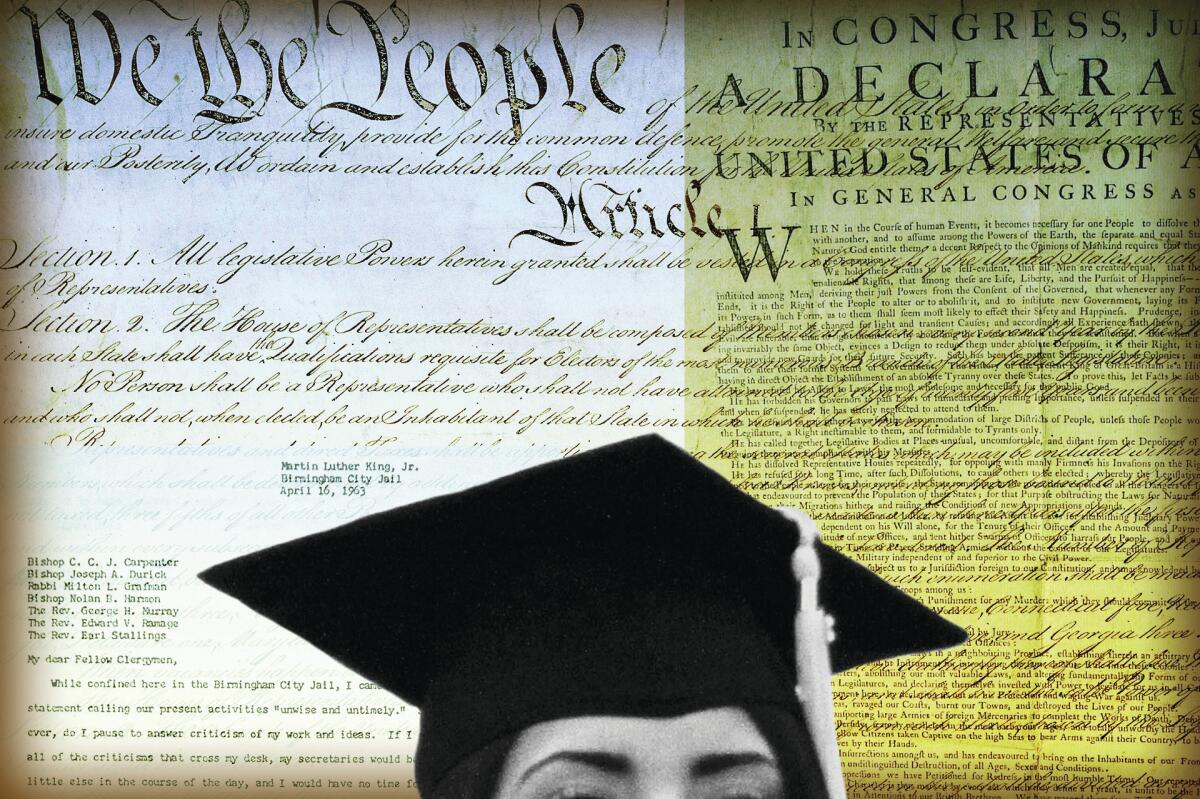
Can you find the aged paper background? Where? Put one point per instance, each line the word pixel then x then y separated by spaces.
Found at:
pixel 926 270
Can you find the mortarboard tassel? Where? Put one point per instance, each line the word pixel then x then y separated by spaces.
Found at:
pixel 814 632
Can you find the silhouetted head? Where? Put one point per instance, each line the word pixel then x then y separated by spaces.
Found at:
pixel 630 583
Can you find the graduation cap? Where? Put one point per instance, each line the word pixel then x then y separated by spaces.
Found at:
pixel 628 580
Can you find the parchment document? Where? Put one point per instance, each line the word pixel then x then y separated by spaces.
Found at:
pixel 926 270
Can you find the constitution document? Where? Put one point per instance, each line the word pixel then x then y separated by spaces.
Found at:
pixel 925 269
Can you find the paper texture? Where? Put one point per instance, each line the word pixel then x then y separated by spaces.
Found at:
pixel 925 270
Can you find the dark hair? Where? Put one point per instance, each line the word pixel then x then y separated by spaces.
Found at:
pixel 792 745
pixel 476 776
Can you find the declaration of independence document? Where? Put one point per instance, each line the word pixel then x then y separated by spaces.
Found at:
pixel 926 270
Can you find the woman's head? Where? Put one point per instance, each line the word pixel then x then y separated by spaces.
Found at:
pixel 630 581
pixel 716 753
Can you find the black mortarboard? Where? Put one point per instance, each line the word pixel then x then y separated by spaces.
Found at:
pixel 628 580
